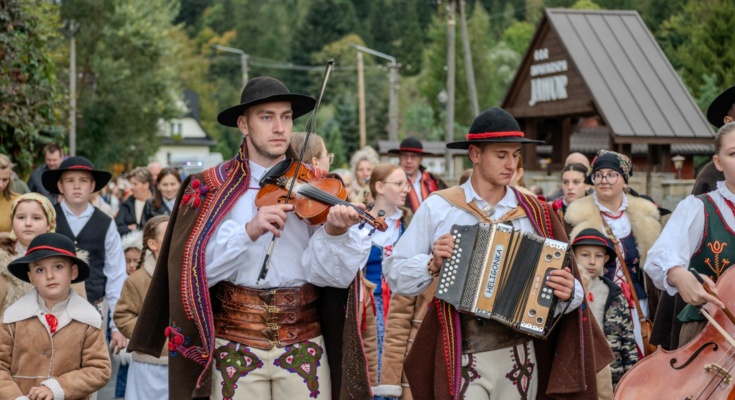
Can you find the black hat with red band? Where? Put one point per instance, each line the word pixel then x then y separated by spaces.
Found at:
pixel 493 125
pixel 50 177
pixel 48 245
pixel 410 145
pixel 593 237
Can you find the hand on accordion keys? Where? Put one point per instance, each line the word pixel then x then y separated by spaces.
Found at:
pixel 562 281
pixel 443 248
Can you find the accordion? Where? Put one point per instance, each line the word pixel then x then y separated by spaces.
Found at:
pixel 500 273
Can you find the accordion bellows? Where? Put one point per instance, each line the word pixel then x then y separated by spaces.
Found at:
pixel 500 273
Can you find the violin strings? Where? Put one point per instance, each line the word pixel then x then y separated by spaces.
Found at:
pixel 320 195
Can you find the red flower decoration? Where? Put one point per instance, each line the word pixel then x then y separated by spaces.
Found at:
pixel 52 322
pixel 194 194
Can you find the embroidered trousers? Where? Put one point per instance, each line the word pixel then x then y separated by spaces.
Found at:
pixel 503 374
pixel 300 371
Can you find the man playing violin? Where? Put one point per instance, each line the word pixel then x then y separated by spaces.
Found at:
pixel 496 361
pixel 231 333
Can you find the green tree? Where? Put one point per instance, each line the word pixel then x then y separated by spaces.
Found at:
pixel 30 97
pixel 518 36
pixel 130 81
pixel 586 5
pixel 698 41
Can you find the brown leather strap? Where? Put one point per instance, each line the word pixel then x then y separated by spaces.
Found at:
pixel 623 265
pixel 455 196
pixel 266 318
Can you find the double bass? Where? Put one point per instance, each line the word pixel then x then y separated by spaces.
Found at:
pixel 704 368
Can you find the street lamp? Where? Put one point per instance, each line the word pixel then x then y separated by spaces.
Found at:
pixel 243 60
pixel 393 80
pixel 678 164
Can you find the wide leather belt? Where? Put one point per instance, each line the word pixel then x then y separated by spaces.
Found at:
pixel 479 334
pixel 266 318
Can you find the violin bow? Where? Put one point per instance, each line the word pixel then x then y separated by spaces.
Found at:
pixel 707 289
pixel 310 126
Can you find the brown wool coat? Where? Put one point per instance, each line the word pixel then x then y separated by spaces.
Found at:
pixel 75 356
pixel 568 360
pixel 129 305
pixel 404 320
pixel 164 305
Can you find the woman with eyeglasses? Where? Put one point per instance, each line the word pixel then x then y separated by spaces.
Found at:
pixel 389 187
pixel 631 223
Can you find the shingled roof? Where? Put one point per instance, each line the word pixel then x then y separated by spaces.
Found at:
pixel 631 83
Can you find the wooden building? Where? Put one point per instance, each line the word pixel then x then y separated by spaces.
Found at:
pixel 594 79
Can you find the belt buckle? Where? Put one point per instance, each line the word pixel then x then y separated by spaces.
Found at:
pixel 274 343
pixel 272 325
pixel 271 309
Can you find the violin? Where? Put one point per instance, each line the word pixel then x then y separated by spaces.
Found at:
pixel 312 196
pixel 702 369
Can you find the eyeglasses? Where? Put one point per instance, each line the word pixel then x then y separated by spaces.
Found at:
pixel 401 185
pixel 330 157
pixel 611 178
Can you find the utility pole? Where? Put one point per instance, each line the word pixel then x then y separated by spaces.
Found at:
pixel 73 28
pixel 361 99
pixel 451 25
pixel 393 81
pixel 393 102
pixel 469 70
pixel 243 60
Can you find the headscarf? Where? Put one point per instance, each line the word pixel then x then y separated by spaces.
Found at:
pixel 611 160
pixel 46 206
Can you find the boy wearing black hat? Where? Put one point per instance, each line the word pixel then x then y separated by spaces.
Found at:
pixel 592 250
pixel 423 183
pixel 52 345
pixel 496 361
pixel 75 180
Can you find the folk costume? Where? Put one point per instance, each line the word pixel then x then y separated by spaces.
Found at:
pixel 147 375
pixel 698 235
pixel 63 348
pixel 457 356
pixel 635 225
pixel 106 257
pixel 425 183
pixel 402 323
pixel 610 308
pixel 230 335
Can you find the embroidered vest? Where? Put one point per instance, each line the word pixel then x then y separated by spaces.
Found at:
pixel 91 239
pixel 714 255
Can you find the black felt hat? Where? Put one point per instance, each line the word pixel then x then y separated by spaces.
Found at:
pixel 493 125
pixel 593 237
pixel 265 89
pixel 720 106
pixel 410 145
pixel 48 245
pixel 50 177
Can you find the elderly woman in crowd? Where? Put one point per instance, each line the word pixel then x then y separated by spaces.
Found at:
pixel 130 216
pixel 362 164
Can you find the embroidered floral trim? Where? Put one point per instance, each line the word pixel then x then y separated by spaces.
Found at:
pixel 177 343
pixel 303 359
pixel 522 371
pixel 234 361
pixel 469 374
